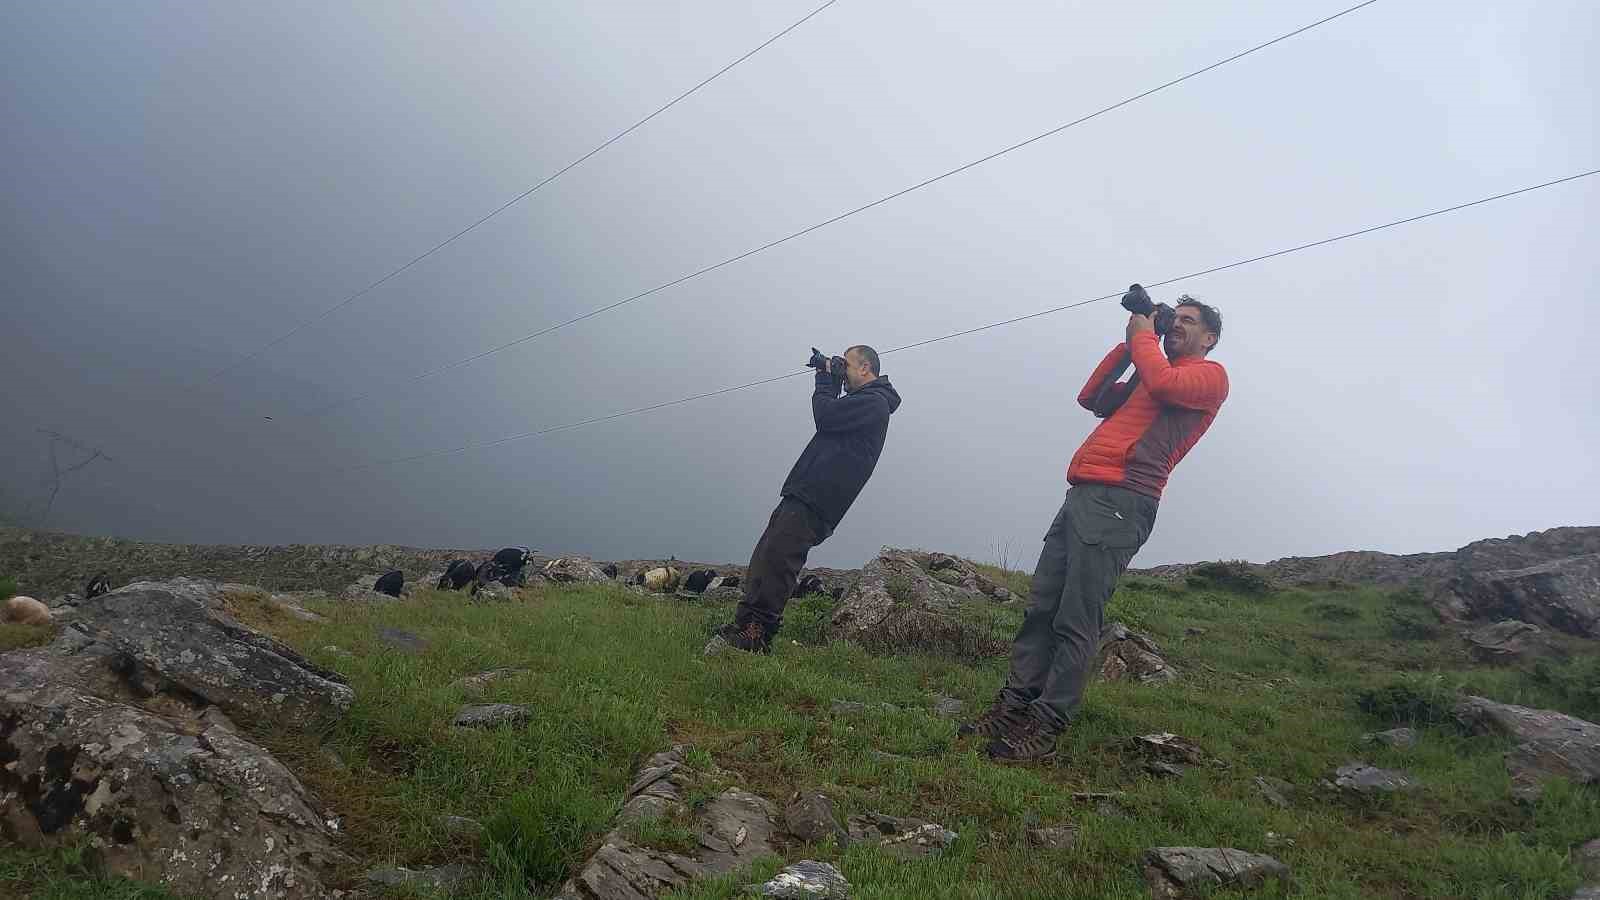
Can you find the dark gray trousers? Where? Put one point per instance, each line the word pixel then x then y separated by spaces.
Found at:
pixel 1088 546
pixel 775 565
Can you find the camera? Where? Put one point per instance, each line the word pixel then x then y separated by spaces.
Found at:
pixel 820 362
pixel 1137 300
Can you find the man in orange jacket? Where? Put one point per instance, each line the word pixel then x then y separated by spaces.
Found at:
pixel 1116 478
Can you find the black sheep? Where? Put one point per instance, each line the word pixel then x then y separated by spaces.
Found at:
pixel 699 580
pixel 390 583
pixel 810 584
pixel 457 575
pixel 97 585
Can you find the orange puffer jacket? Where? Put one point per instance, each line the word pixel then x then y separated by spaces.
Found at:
pixel 1169 409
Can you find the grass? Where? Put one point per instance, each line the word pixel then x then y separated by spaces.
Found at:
pixel 69 873
pixel 1274 686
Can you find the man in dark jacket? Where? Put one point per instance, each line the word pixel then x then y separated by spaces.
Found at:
pixel 820 488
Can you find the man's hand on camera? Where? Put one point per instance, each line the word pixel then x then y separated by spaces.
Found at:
pixel 1138 324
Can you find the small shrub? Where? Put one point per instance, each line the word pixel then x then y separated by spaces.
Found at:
pixel 1409 703
pixel 1232 575
pixel 806 618
pixel 901 588
pixel 1410 625
pixel 1335 612
pixel 1575 684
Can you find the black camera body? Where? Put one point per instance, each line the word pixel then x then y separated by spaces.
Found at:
pixel 1137 300
pixel 820 362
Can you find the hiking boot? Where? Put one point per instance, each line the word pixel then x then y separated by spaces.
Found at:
pixel 751 638
pixel 994 721
pixel 1030 740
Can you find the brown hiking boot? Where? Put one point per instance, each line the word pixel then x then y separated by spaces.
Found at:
pixel 995 721
pixel 1031 740
pixel 751 638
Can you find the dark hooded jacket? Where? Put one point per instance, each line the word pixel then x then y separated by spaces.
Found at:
pixel 841 456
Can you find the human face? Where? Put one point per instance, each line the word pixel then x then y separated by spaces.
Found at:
pixel 856 372
pixel 1188 335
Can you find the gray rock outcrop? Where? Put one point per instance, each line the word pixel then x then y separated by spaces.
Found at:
pixel 1562 594
pixel 1552 743
pixel 1174 872
pixel 119 733
pixel 1131 655
pixel 732 829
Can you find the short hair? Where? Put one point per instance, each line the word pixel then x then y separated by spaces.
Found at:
pixel 868 354
pixel 1210 316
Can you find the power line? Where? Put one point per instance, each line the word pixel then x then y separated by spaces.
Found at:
pixel 478 445
pixel 840 217
pixel 508 204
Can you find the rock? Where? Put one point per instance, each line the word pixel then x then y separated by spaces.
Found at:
pixel 1173 872
pixel 442 878
pixel 1361 778
pixel 1502 642
pixel 905 838
pixel 895 604
pixel 492 715
pixel 732 829
pixel 1398 738
pixel 340 652
pixel 1587 858
pixel 25 611
pixel 461 827
pixel 99 749
pixel 1129 654
pixel 809 817
pixel 570 569
pixel 1056 837
pixel 924 840
pixel 1275 791
pixel 852 707
pixel 180 634
pixel 1193 631
pixel 1563 594
pixel 610 570
pixel 402 640
pixel 1169 746
pixel 1162 769
pixel 948 707
pixel 805 880
pixel 473 684
pixel 1553 744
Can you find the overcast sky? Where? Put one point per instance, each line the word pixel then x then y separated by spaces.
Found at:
pixel 183 182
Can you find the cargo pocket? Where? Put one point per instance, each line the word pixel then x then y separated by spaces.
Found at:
pixel 1099 520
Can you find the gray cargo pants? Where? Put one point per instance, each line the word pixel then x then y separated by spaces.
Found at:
pixel 1088 546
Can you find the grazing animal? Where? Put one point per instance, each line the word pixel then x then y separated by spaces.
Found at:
pixel 810 584
pixel 25 611
pixel 662 579
pixel 506 567
pixel 97 585
pixel 699 580
pixel 457 575
pixel 390 583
